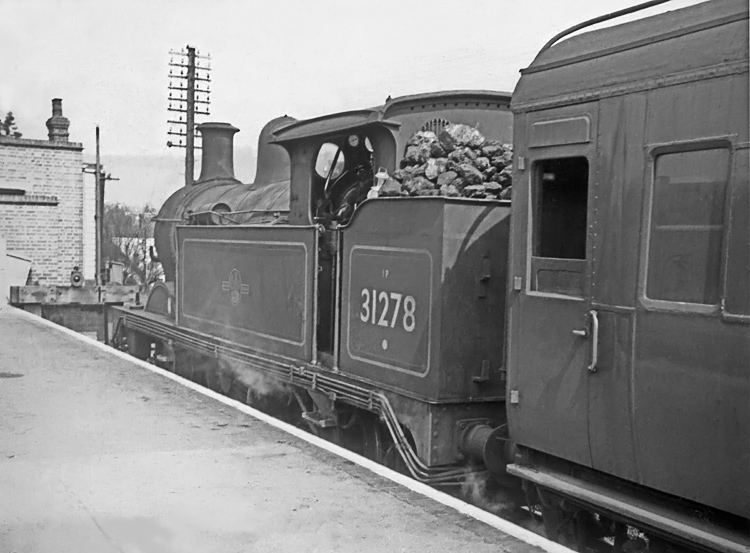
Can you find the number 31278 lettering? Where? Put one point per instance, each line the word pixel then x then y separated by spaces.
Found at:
pixel 388 309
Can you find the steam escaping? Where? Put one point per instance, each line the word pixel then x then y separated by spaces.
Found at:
pixel 259 385
pixel 475 487
pixel 484 491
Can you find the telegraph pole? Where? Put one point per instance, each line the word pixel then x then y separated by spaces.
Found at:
pixel 189 96
pixel 98 214
pixel 190 131
pixel 100 179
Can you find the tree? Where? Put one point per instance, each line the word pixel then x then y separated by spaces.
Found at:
pixel 127 235
pixel 8 126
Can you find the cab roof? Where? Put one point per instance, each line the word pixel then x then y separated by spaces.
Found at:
pixel 350 120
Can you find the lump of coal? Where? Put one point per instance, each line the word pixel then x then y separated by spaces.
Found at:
pixel 435 167
pixel 493 187
pixel 391 187
pixel 417 185
pixel 422 137
pixel 418 170
pixel 462 135
pixel 436 150
pixel 482 163
pixel 505 177
pixel 419 147
pixel 458 161
pixel 446 178
pixel 459 183
pixel 492 148
pixel 416 154
pixel 470 174
pixel 450 191
pixel 475 191
pixel 503 158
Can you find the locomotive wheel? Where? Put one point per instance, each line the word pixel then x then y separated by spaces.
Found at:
pixel 231 386
pixel 361 432
pixel 139 344
pixel 211 376
pixel 393 460
pixel 188 365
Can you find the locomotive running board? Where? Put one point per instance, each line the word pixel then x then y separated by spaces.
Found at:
pixel 648 516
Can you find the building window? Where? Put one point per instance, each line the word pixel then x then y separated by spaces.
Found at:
pixel 687 226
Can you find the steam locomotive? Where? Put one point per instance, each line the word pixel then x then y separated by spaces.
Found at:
pixel 597 349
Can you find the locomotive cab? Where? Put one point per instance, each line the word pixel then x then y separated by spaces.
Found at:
pixel 341 178
pixel 332 160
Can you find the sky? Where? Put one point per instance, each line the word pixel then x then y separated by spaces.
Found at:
pixel 108 61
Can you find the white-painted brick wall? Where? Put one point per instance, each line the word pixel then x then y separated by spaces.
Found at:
pixel 54 237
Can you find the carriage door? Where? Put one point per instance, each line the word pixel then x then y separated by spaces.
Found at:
pixel 551 319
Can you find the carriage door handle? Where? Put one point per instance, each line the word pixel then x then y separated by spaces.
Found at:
pixel 584 333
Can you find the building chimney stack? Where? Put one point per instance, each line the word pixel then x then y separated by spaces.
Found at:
pixel 57 125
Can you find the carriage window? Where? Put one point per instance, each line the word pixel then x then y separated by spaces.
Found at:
pixel 687 226
pixel 560 205
pixel 561 208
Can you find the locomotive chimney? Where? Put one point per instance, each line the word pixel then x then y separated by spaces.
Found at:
pixel 217 160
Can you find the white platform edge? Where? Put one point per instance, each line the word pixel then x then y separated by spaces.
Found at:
pixel 469 510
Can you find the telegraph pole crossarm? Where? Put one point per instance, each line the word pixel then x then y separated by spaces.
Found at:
pixel 188 96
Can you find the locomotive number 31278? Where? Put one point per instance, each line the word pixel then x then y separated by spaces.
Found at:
pixel 388 309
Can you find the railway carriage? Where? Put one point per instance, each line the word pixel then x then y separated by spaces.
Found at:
pixel 613 314
pixel 631 257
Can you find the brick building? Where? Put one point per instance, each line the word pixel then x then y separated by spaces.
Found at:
pixel 46 207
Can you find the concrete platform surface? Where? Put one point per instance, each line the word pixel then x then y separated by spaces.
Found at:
pixel 99 454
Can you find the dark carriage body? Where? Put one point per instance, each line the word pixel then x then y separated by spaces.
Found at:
pixel 631 253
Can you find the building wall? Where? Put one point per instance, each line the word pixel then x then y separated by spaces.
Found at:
pixel 46 223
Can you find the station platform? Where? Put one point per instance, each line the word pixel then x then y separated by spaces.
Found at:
pixel 103 453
